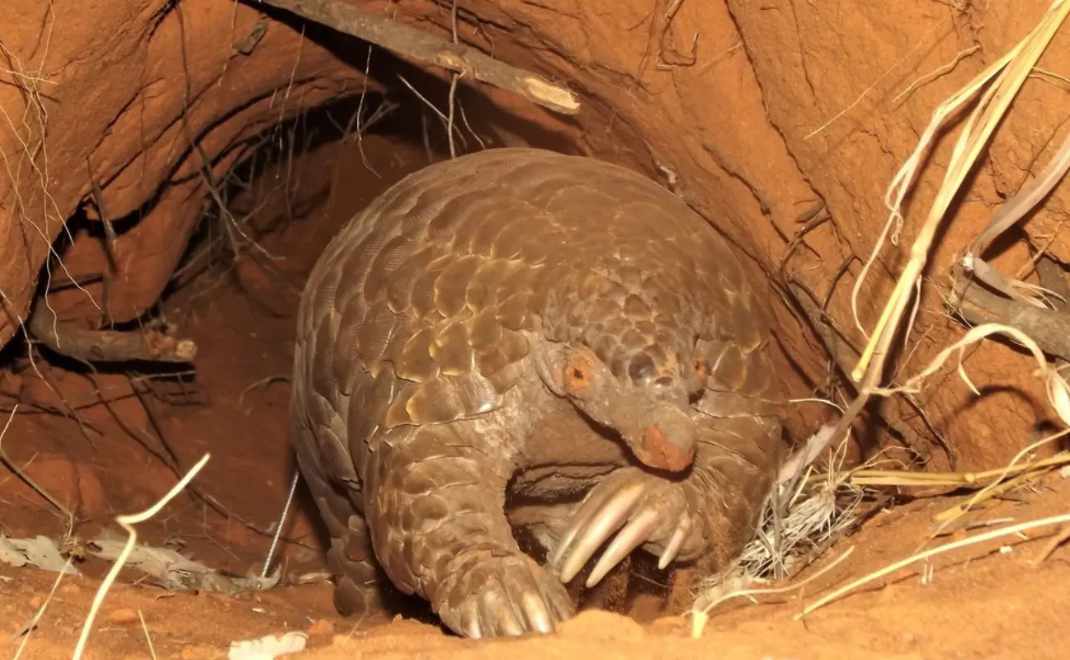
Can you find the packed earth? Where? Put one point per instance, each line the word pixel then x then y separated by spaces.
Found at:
pixel 173 170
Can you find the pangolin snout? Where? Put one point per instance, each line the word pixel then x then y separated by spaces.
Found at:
pixel 668 442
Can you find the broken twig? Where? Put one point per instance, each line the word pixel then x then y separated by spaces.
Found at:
pixel 422 47
pixel 107 345
pixel 1050 329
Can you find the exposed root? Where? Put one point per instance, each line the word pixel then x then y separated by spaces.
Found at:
pixel 422 47
pixel 127 522
pixel 1050 329
pixel 446 119
pixel 26 479
pixel 107 345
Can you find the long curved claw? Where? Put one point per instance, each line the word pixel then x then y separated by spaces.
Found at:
pixel 560 604
pixel 536 613
pixel 675 542
pixel 470 622
pixel 593 531
pixel 591 506
pixel 634 534
pixel 507 595
pixel 497 614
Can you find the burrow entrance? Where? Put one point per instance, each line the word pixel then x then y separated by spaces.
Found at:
pixel 208 152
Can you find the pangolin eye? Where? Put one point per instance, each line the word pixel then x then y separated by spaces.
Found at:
pixel 641 368
pixel 701 368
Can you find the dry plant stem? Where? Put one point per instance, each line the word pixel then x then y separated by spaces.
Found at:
pixel 422 47
pixel 148 637
pixel 996 487
pixel 1050 329
pixel 960 479
pixel 904 178
pixel 127 522
pixel 700 615
pixel 954 545
pixel 1050 547
pixel 844 355
pixel 974 136
pixel 26 479
pixel 1008 214
pixel 1011 211
pixel 32 625
pixel 933 75
pixel 107 345
pixel 282 523
pixel 454 77
pixel 948 517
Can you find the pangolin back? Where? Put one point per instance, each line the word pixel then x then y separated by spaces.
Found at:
pixel 424 307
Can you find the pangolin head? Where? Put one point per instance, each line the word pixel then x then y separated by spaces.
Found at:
pixel 648 407
pixel 627 360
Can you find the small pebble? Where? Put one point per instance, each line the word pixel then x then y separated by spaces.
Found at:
pixel 321 627
pixel 123 615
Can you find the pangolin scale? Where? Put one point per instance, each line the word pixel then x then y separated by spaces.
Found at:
pixel 520 324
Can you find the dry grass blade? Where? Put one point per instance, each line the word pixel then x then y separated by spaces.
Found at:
pixel 1058 390
pixel 940 549
pixel 1008 214
pixel 127 522
pixel 975 135
pixel 700 615
pixel 282 523
pixel 998 486
pixel 148 637
pixel 29 628
pixel 962 479
pixel 904 178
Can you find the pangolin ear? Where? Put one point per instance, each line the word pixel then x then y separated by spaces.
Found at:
pixel 550 362
pixel 569 371
pixel 580 373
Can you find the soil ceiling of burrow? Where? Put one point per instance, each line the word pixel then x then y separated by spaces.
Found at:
pixel 782 123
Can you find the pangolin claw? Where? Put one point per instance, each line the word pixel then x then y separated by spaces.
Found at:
pixel 514 597
pixel 634 507
pixel 634 534
pixel 673 546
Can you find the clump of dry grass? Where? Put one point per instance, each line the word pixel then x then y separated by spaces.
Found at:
pixel 802 518
pixel 804 515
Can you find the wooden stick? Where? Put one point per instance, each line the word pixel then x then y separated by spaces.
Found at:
pixel 106 345
pixel 1049 328
pixel 422 47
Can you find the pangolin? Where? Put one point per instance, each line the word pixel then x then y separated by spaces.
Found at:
pixel 519 325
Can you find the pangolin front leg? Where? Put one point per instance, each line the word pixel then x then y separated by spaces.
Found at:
pixel 435 507
pixel 713 508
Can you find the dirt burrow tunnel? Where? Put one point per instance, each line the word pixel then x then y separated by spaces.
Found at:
pixel 223 143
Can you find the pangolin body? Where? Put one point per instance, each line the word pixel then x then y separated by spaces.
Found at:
pixel 522 322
